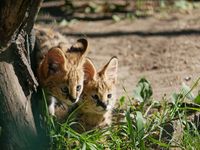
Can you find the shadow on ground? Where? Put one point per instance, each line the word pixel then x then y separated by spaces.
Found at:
pixel 184 32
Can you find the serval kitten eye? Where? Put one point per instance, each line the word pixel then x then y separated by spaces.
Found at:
pixel 109 95
pixel 78 88
pixel 65 90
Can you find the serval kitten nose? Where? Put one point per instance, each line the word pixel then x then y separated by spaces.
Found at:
pixel 72 99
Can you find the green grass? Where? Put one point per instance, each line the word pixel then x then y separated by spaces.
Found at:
pixel 147 125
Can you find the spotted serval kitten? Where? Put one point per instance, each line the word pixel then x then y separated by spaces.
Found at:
pixel 60 67
pixel 98 97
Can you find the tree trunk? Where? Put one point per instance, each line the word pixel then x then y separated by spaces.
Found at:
pixel 17 81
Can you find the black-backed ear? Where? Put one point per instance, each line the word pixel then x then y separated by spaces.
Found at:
pixel 89 70
pixel 80 47
pixel 53 63
pixel 110 69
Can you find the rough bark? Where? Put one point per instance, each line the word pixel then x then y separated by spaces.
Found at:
pixel 17 81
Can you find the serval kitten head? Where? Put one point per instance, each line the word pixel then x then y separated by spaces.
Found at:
pixel 99 93
pixel 61 71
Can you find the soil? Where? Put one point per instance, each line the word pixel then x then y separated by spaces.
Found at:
pixel 164 49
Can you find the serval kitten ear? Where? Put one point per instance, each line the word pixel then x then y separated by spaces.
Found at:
pixel 89 70
pixel 110 69
pixel 80 47
pixel 53 63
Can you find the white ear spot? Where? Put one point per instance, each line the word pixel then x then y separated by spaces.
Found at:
pixel 79 47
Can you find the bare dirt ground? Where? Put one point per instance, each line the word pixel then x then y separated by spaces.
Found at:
pixel 165 49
